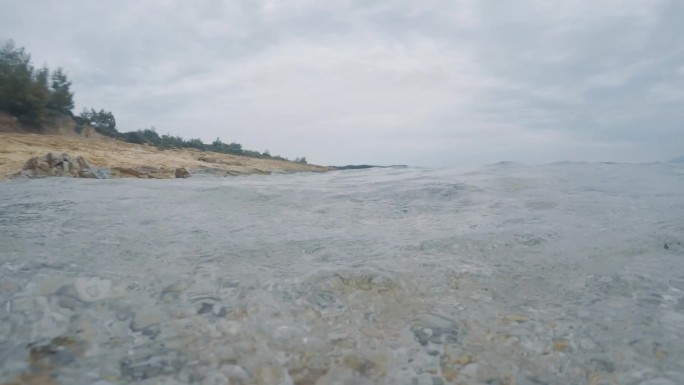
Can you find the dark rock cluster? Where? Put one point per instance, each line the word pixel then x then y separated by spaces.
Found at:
pixel 54 164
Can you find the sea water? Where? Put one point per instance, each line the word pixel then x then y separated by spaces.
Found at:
pixel 567 273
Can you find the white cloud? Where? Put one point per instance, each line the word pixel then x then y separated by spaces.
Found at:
pixel 430 83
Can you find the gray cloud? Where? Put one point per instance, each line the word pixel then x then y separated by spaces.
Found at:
pixel 436 83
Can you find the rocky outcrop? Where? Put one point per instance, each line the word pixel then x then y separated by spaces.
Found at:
pixel 150 172
pixel 145 172
pixel 182 172
pixel 222 161
pixel 54 164
pixel 215 172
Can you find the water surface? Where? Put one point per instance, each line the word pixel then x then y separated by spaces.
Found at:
pixel 559 274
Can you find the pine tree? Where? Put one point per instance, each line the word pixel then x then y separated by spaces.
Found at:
pixel 62 98
pixel 16 80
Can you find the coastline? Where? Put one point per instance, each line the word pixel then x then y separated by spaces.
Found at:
pixel 17 148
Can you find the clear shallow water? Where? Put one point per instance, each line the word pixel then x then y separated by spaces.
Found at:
pixel 560 274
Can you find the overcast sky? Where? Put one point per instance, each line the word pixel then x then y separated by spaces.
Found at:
pixel 427 83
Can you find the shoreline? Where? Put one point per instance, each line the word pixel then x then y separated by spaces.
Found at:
pixel 127 159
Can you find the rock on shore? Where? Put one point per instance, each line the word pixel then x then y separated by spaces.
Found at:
pixel 54 164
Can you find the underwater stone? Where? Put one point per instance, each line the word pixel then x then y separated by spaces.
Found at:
pixel 205 308
pixel 146 318
pixel 152 361
pixel 93 288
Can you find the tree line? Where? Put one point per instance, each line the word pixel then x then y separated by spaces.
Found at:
pixel 36 96
pixel 32 95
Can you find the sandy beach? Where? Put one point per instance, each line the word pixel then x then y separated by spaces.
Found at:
pixel 16 148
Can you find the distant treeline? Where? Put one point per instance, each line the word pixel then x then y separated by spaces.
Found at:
pixel 38 96
pixel 105 123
